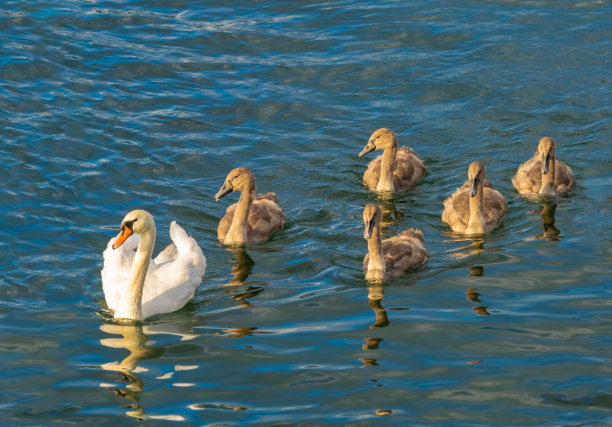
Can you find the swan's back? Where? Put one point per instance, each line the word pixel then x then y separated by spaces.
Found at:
pixel 408 169
pixel 528 177
pixel 457 208
pixel 402 253
pixel 265 217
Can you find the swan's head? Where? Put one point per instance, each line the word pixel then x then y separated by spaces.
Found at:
pixel 238 179
pixel 380 139
pixel 137 221
pixel 547 150
pixel 476 175
pixel 372 216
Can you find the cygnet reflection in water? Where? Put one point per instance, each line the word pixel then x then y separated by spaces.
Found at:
pixel 472 295
pixel 550 232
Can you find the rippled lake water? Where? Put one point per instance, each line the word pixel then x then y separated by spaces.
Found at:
pixel 107 106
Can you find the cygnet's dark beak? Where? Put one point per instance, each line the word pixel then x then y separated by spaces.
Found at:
pixel 370 146
pixel 545 163
pixel 224 190
pixel 474 185
pixel 369 229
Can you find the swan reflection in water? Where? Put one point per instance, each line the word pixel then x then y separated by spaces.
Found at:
pixel 472 295
pixel 376 293
pixel 550 232
pixel 391 215
pixel 242 266
pixel 135 339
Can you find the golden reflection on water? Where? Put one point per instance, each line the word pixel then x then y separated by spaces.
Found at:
pixel 550 232
pixel 390 214
pixel 242 265
pixel 135 339
pixel 472 295
pixel 376 293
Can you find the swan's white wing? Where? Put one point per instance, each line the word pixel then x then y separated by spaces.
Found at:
pixel 167 255
pixel 116 271
pixel 172 281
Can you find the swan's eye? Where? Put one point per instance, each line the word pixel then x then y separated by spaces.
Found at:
pixel 129 224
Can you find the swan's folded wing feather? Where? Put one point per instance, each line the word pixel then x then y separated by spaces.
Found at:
pixel 408 169
pixel 564 178
pixel 457 210
pixel 372 173
pixel 226 222
pixel 265 217
pixel 528 177
pixel 495 207
pixel 171 284
pixel 404 252
pixel 167 255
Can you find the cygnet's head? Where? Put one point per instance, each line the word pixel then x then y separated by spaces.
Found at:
pixel 476 175
pixel 548 150
pixel 380 139
pixel 138 221
pixel 239 179
pixel 372 216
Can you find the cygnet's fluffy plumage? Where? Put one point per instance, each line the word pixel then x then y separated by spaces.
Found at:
pixel 475 208
pixel 395 170
pixel 136 286
pixel 544 174
pixel 254 217
pixel 393 257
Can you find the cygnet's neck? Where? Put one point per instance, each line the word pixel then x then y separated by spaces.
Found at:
pixel 476 224
pixel 385 181
pixel 130 307
pixel 237 232
pixel 548 180
pixel 376 263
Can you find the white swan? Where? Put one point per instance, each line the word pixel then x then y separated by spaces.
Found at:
pixel 136 286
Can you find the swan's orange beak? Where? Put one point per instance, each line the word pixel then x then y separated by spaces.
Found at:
pixel 122 237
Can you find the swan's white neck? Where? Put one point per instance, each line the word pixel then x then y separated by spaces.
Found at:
pixel 237 232
pixel 130 306
pixel 548 180
pixel 385 182
pixel 476 224
pixel 376 263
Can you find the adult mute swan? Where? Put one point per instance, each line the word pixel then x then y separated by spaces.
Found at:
pixel 393 257
pixel 254 218
pixel 136 286
pixel 543 173
pixel 395 169
pixel 475 208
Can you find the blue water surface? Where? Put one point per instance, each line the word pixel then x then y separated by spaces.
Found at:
pixel 108 106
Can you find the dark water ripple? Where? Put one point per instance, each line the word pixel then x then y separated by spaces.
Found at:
pixel 107 106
